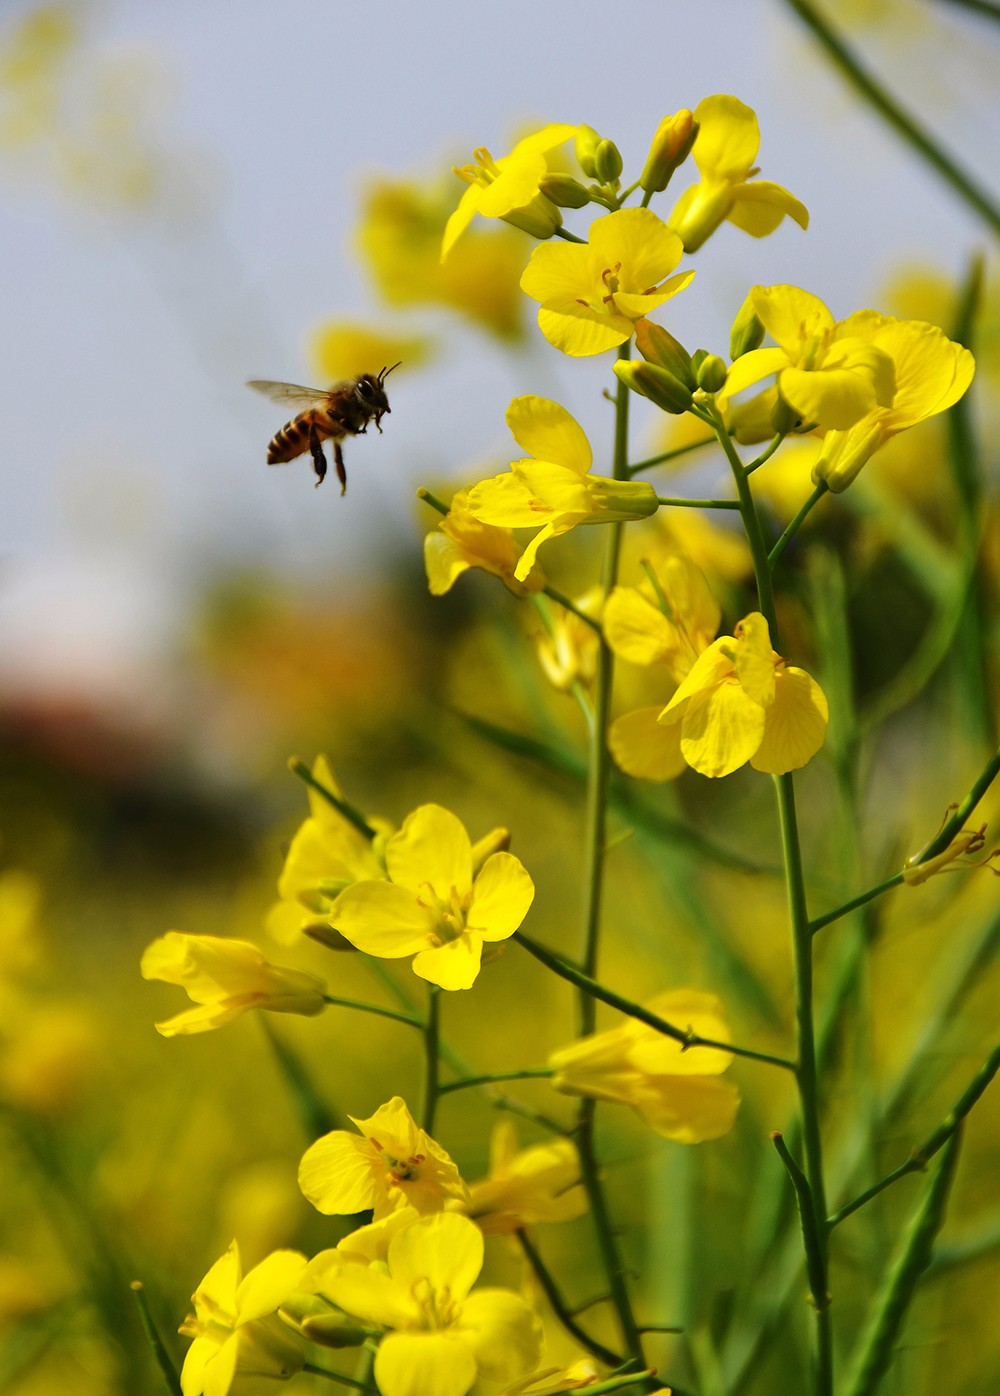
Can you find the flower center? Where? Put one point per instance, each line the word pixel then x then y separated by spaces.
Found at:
pixel 437 1308
pixel 450 914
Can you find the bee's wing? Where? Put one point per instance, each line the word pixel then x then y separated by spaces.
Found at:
pixel 290 394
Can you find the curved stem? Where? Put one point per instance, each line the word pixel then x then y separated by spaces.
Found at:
pixel 559 1307
pixel 670 455
pixel 432 1058
pixel 529 1073
pixel 373 1008
pixel 796 523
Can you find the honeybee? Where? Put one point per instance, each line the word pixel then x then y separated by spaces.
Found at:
pixel 328 414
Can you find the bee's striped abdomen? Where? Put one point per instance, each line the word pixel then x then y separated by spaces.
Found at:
pixel 291 440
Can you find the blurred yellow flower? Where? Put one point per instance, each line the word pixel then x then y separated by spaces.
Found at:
pixel 461 541
pixel 931 374
pixel 394 1164
pixel 742 702
pixel 954 858
pixel 440 1337
pixel 676 1092
pixel 508 188
pixel 549 1381
pixel 526 1186
pixel 830 372
pixel 49 1050
pixel 234 1324
pixel 436 907
pixel 226 978
pixel 593 293
pixel 341 349
pixel 568 648
pixel 399 240
pixel 554 488
pixel 724 150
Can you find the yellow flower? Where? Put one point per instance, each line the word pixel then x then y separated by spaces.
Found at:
pixel 399 239
pixel 439 1338
pixel 552 1380
pixel 676 1092
pixel 508 188
pixel 931 373
pixel 725 149
pixel 341 349
pixel 568 647
pixel 527 1186
pixel 830 372
pixel 437 907
pixel 461 541
pixel 954 858
pixel 554 488
pixel 226 978
pixel 742 702
pixel 592 293
pixel 234 1324
pixel 394 1164
pixel 327 853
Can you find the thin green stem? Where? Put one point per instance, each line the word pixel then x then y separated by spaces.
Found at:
pixel 352 1382
pixel 596 991
pixel 676 502
pixel 571 606
pixel 529 1073
pixel 432 1058
pixel 895 116
pixel 357 1004
pixel 353 816
pixel 818 922
pixel 559 1306
pixel 671 455
pixel 796 523
pixel 812 1236
pixel 567 235
pixel 157 1347
pixel 921 1156
pixel 766 454
pixel 953 826
pixel 751 524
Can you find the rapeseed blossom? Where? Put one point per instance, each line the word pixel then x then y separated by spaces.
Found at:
pixel 593 293
pixel 438 906
pixel 439 1338
pixel 552 486
pixel 462 541
pixel 234 1325
pixel 226 978
pixel 677 1092
pixel 742 702
pixel 526 1186
pixel 393 1164
pixel 724 150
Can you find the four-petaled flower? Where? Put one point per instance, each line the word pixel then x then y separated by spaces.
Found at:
pixel 742 702
pixel 526 1186
pixel 234 1325
pixel 592 293
pixel 393 1164
pixel 553 487
pixel 676 1091
pixel 438 907
pixel 461 541
pixel 725 149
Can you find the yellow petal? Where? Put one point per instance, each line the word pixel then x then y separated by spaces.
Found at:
pixel 795 725
pixel 431 847
pixel 636 629
pixel 759 206
pixel 688 1009
pixel 545 430
pixel 221 1369
pixel 383 919
pixel 688 1109
pixel 721 729
pixel 639 243
pixel 558 271
pixel 266 1287
pixel 337 1174
pixel 206 1017
pixel 711 668
pixel 791 316
pixel 833 398
pixel 501 896
pixel 371 1295
pixel 728 137
pixel 932 372
pixel 506 501
pixel 752 367
pixel 755 659
pixel 424 1364
pixel 445 1248
pixel 554 488
pixel 454 965
pixel 444 562
pixel 468 206
pixel 646 748
pixel 636 305
pixel 217 1292
pixel 504 1334
pixel 585 331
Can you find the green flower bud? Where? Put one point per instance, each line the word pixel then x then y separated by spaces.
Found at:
pixel 334 1331
pixel 656 383
pixel 608 162
pixel 784 417
pixel 671 146
pixel 564 190
pixel 711 373
pixel 585 144
pixel 540 218
pixel 747 332
pixel 615 500
pixel 658 346
pixel 844 454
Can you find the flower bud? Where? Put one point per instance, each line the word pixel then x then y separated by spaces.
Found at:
pixel 607 162
pixel 747 332
pixel 656 383
pixel 564 190
pixel 659 346
pixel 333 1331
pixel 671 146
pixel 540 218
pixel 711 373
pixel 843 455
pixel 784 417
pixel 615 500
pixel 585 144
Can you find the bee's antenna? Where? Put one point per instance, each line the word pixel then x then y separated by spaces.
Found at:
pixel 386 371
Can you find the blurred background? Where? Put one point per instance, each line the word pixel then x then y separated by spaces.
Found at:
pixel 193 195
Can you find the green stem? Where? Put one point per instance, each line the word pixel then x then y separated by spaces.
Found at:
pixel 571 606
pixel 818 922
pixel 671 455
pixel 567 235
pixel 374 1008
pixel 895 116
pixel 432 1058
pixel 529 1073
pixel 796 523
pixel 953 826
pixel 920 1157
pixel 676 502
pixel 353 816
pixel 352 1382
pixel 157 1347
pixel 811 1234
pixel 766 454
pixel 559 1307
pixel 596 991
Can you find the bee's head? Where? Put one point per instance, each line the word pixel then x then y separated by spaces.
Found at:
pixel 370 392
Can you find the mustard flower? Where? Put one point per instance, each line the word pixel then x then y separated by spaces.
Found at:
pixel 461 541
pixel 956 857
pixel 508 188
pixel 830 372
pixel 437 906
pixel 234 1325
pixel 742 702
pixel 226 978
pixel 439 1337
pixel 568 647
pixel 553 488
pixel 550 1381
pixel 593 293
pixel 676 1092
pixel 724 150
pixel 393 1164
pixel 526 1186
pixel 346 349
pixel 931 373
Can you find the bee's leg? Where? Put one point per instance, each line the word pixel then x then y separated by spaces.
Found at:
pixel 338 460
pixel 319 460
